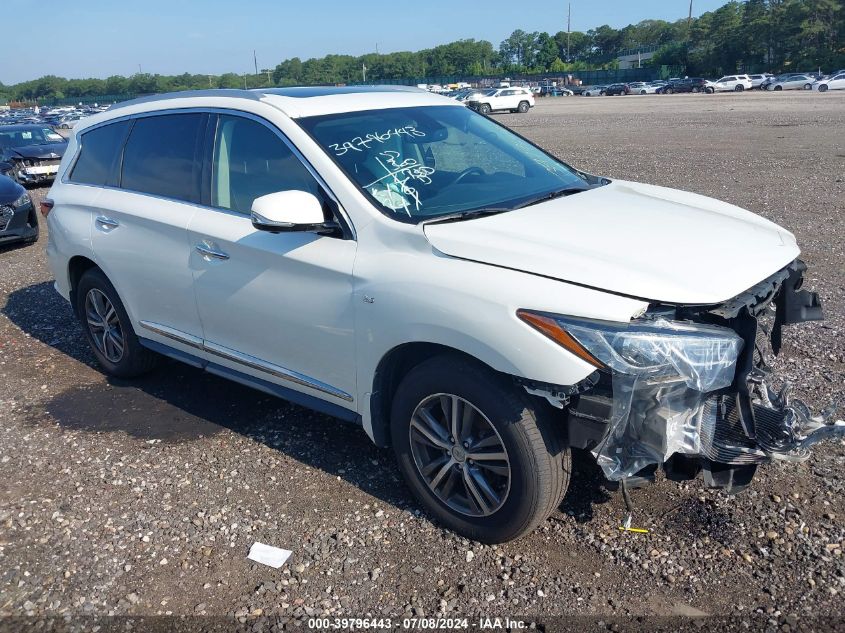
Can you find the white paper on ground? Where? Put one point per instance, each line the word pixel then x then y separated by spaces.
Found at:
pixel 268 555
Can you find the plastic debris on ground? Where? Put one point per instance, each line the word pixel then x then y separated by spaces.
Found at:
pixel 268 555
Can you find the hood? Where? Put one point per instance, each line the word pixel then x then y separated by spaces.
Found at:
pixel 9 190
pixel 39 152
pixel 638 240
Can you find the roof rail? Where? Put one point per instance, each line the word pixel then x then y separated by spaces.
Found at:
pixel 215 92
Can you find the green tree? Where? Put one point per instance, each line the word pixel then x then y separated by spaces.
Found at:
pixel 547 51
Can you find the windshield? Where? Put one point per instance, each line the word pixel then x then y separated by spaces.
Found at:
pixel 29 136
pixel 424 162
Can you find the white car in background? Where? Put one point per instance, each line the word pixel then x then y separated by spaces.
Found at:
pixel 757 80
pixel 790 82
pixel 645 88
pixel 835 82
pixel 508 99
pixel 392 258
pixel 594 91
pixel 732 83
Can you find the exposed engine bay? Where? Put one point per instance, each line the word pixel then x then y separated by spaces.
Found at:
pixel 702 397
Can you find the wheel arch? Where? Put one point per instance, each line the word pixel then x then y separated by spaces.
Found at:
pixel 77 266
pixel 394 366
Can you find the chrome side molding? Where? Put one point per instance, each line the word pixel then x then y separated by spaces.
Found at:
pixel 245 359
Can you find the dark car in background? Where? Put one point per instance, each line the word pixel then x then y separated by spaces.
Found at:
pixel 617 89
pixel 18 218
pixel 30 153
pixel 688 84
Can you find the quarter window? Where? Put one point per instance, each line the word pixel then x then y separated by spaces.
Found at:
pixel 250 161
pixel 99 154
pixel 162 156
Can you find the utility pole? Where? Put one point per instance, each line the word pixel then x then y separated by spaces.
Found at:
pixel 364 71
pixel 568 30
pixel 689 17
pixel 140 72
pixel 255 61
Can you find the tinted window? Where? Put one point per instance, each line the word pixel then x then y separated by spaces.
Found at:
pixel 250 161
pixel 162 156
pixel 98 154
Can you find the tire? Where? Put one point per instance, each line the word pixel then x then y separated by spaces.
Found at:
pixel 823 88
pixel 808 86
pixel 710 91
pixel 523 107
pixel 778 88
pixel 739 88
pixel 135 359
pixel 668 91
pixel 33 221
pixel 484 108
pixel 538 463
pixel 642 92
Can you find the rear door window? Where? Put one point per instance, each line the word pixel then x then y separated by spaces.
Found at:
pixel 163 156
pixel 99 155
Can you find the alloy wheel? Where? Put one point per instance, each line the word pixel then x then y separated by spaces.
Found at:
pixel 104 325
pixel 460 455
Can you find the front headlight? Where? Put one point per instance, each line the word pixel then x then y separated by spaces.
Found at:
pixel 22 201
pixel 703 356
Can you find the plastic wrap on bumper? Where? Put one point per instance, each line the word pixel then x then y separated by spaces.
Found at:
pixel 700 415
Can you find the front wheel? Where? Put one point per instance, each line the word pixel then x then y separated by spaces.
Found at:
pixel 484 108
pixel 778 88
pixel 808 86
pixel 523 107
pixel 476 451
pixel 822 88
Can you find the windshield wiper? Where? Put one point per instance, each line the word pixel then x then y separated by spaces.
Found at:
pixel 558 193
pixel 467 215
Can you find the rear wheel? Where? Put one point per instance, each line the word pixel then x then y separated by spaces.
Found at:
pixel 108 329
pixel 523 107
pixel 739 88
pixel 480 456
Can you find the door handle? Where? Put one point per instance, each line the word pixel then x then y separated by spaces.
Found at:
pixel 208 253
pixel 107 224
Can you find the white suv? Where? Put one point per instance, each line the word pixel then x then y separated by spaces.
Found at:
pixel 508 99
pixel 396 260
pixel 736 83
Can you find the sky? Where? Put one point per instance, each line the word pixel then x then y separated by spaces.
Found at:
pixel 98 38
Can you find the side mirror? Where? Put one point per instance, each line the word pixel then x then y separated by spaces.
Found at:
pixel 289 211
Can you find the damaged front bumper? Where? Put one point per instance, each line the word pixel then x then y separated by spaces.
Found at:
pixel 690 389
pixel 34 171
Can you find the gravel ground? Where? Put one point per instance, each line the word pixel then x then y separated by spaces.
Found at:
pixel 143 498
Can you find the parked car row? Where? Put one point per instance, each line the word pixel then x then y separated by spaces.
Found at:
pixel 728 83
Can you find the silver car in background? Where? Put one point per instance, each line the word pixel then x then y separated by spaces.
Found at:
pixel 790 82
